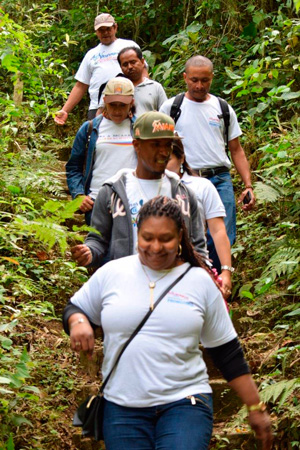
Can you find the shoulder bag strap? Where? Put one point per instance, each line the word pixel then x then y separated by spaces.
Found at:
pixel 141 324
pixel 175 108
pixel 226 117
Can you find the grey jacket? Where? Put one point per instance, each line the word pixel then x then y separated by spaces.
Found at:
pixel 112 218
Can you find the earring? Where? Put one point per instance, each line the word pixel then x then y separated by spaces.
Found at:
pixel 179 250
pixel 181 168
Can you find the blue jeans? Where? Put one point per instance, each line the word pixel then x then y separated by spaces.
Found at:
pixel 223 184
pixel 173 426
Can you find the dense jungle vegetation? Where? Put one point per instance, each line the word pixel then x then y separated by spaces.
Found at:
pixel 255 49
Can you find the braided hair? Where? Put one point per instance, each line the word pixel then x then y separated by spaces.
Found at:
pixel 166 207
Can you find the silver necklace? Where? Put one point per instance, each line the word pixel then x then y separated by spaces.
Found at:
pixel 142 192
pixel 152 285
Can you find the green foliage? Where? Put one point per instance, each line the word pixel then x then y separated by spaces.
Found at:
pixel 279 392
pixel 258 69
pixel 255 50
pixel 15 368
pixel 26 71
pixel 278 396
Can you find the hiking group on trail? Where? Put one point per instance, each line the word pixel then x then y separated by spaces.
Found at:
pixel 156 187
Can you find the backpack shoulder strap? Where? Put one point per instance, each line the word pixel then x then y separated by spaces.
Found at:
pixel 101 89
pixel 226 117
pixel 175 108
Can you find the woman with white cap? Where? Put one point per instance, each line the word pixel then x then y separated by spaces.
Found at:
pixel 103 146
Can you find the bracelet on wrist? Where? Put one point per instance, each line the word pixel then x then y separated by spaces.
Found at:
pixel 249 186
pixel 225 267
pixel 258 407
pixel 76 322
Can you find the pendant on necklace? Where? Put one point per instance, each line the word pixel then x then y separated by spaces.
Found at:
pixel 151 286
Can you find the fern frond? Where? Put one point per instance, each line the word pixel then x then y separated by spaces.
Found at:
pixel 271 393
pixel 283 262
pixel 265 193
pixel 280 390
pixel 47 232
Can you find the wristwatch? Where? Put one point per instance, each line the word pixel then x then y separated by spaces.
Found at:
pixel 231 269
pixel 258 407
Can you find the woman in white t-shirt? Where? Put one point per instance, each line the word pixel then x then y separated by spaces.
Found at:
pixel 211 208
pixel 103 146
pixel 158 395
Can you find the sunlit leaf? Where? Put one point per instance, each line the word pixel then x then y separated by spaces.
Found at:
pixel 14 261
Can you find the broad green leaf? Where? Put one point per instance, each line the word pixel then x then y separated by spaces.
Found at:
pixel 20 420
pixel 290 95
pixel 250 30
pixel 194 27
pixel 259 16
pixel 232 75
pixel 32 389
pixel 4 380
pixel 14 189
pixel 293 313
pixel 52 206
pixel 5 391
pixel 282 154
pixel 8 326
pixel 10 443
pixel 261 107
pixel 247 294
pixel 11 63
pixel 297 5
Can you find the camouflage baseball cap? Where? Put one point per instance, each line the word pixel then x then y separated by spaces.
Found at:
pixel 154 125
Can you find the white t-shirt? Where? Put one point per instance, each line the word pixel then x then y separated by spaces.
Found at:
pixel 114 151
pixel 203 131
pixel 100 65
pixel 211 205
pixel 140 191
pixel 163 362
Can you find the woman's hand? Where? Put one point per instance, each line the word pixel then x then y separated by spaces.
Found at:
pixel 82 337
pixel 82 254
pixel 87 204
pixel 260 423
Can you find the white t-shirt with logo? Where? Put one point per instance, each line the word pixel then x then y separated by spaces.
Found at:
pixel 114 151
pixel 100 65
pixel 211 205
pixel 139 191
pixel 203 131
pixel 163 362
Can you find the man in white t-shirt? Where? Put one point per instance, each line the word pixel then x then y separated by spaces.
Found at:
pixel 99 65
pixel 200 123
pixel 121 197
